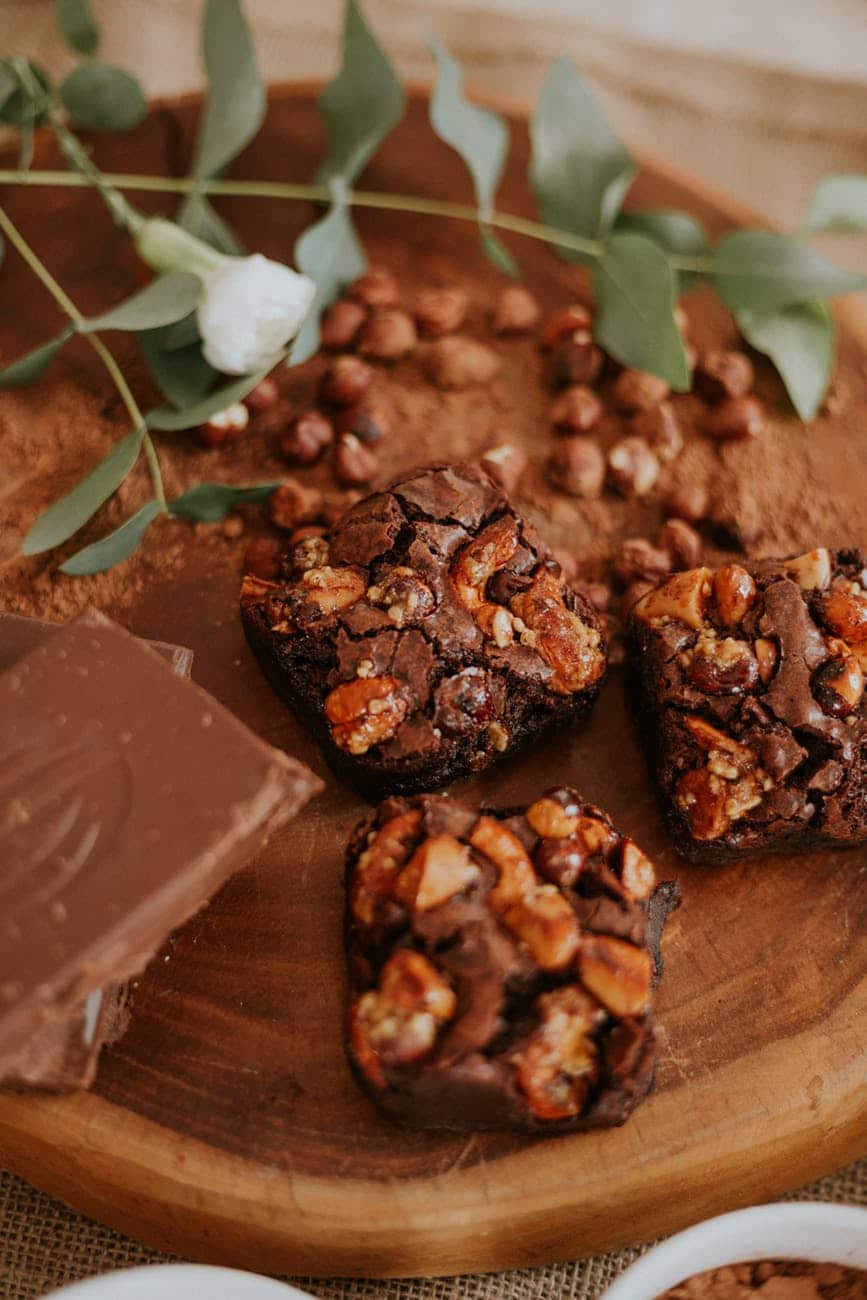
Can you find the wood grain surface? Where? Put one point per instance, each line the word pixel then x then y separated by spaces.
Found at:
pixel 226 1126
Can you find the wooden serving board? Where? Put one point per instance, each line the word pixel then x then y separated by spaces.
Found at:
pixel 226 1126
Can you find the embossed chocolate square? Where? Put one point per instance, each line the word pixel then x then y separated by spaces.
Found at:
pixel 428 635
pixel 749 685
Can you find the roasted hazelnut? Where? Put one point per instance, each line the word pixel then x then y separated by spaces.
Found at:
pixel 440 311
pixel 575 360
pixel 404 594
pixel 263 396
pixel 262 557
pixel 576 410
pixel 306 438
pixel 341 323
pixel 345 382
pixel 735 418
pixel 722 666
pixel 505 463
pixel 687 501
pixel 225 426
pixel 464 702
pixel 577 466
pixel 367 421
pixel 308 550
pixel 661 428
pixel 460 362
pixel 516 311
pixel 633 593
pixel 734 592
pixel 353 462
pixel 638 390
pixel 845 610
pixel 632 467
pixel 637 558
pixel 682 542
pixel 293 505
pixel 377 288
pixel 838 684
pixel 388 335
pixel 720 375
pixel 564 323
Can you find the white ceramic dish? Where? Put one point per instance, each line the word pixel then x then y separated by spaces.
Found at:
pixel 801 1230
pixel 179 1282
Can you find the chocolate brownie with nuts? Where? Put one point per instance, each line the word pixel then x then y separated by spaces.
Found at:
pixel 750 691
pixel 430 633
pixel 501 964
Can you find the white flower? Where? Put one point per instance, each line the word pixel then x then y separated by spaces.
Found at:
pixel 249 310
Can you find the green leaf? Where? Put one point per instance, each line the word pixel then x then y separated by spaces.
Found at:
pixel 99 97
pixel 580 171
pixel 117 546
pixel 190 417
pixel 635 292
pixel 209 502
pixel 363 102
pixel 676 232
pixel 800 342
pixel 166 299
pixel 839 205
pixel 182 373
pixel 495 251
pixel 67 515
pixel 764 272
pixel 329 252
pixel 34 364
pixel 19 108
pixel 201 219
pixel 78 25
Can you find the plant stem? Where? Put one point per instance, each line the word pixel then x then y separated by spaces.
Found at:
pixel 40 270
pixel 123 213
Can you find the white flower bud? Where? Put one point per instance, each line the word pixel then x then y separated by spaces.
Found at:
pixel 249 310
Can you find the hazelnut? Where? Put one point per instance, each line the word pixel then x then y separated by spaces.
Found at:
pixel 839 684
pixel 637 558
pixel 388 335
pixel 722 666
pixel 633 593
pixel 505 464
pixel 687 501
pixel 404 595
pixel 632 467
pixel 720 375
pixel 262 557
pixel 845 610
pixel 516 311
pixel 735 418
pixel 345 381
pixel 577 466
pixel 353 462
pixel 683 597
pixel 460 362
pixel 341 323
pixel 682 542
pixel 263 397
pixel 377 288
pixel 575 360
pixel 306 438
pixel 440 311
pixel 225 426
pixel 661 428
pixel 576 410
pixel 734 592
pixel 638 390
pixel 366 420
pixel 293 505
pixel 563 323
pixel 308 549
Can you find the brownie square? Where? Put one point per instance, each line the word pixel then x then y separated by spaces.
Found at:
pixel 501 964
pixel 428 635
pixel 750 700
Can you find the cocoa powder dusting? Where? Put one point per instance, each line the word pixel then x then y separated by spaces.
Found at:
pixel 773 1279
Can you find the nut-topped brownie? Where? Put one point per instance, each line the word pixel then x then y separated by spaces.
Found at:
pixel 501 964
pixel 429 634
pixel 750 689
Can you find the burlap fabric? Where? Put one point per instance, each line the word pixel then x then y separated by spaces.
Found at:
pixel 43 1246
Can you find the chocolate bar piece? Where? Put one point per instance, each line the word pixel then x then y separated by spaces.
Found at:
pixel 127 797
pixel 431 634
pixel 501 964
pixel 749 686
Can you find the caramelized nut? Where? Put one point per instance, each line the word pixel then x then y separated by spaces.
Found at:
pixel 516 312
pixel 617 973
pixel 636 871
pixel 547 925
pixel 377 288
pixel 516 877
pixel 550 819
pixel 577 466
pixel 811 571
pixel 734 593
pixel 440 311
pixel 306 438
pixel 365 712
pixel 576 410
pixel 341 323
pixel 683 597
pixel 388 335
pixel 378 866
pixel 571 648
pixel 632 467
pixel 353 462
pixel 845 611
pixel 308 549
pixel 722 667
pixel 701 797
pixel 838 684
pixel 345 381
pixel 720 375
pixel 398 1023
pixel 440 868
pixel 404 594
pixel 331 589
pixel 556 1066
pixel 735 418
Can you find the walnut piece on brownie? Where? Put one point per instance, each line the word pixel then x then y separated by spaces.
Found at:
pixel 501 964
pixel 749 687
pixel 431 633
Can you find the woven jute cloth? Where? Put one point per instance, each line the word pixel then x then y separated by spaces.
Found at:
pixel 43 1246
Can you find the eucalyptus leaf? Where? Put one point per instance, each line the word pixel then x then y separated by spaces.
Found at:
pixel 580 171
pixel 182 333
pixel 181 373
pixel 67 515
pixel 765 272
pixel 497 253
pixel 30 367
pixel 168 298
pixel 200 218
pixel 635 290
pixel 78 25
pixel 329 252
pixel 117 546
pixel 18 107
pixel 800 342
pixel 189 417
pixel 100 97
pixel 209 502
pixel 363 102
pixel 676 232
pixel 839 205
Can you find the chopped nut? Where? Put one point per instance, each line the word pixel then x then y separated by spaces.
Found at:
pixel 378 866
pixel 506 464
pixel 701 797
pixel 308 549
pixel 632 467
pixel 440 311
pixel 557 1065
pixel 637 390
pixel 225 426
pixel 636 558
pixel 563 324
pixel 682 542
pixel 460 362
pixel 440 868
pixel 576 410
pixel 332 589
pixel 262 557
pixel 377 288
pixel 812 571
pixel 636 871
pixel 398 1023
pixel 353 462
pixel 766 656
pixel 366 420
pixel 683 597
pixel 263 396
pixel 575 360
pixel 516 312
pixel 577 466
pixel 550 819
pixel 838 684
pixel 365 712
pixel 721 375
pixel 341 323
pixel 515 870
pixel 845 611
pixel 617 973
pixel 547 925
pixel 722 666
pixel 688 501
pixel 306 438
pixel 293 504
pixel 405 595
pixel 735 418
pixel 734 592
pixel 388 335
pixel 571 648
pixel 345 381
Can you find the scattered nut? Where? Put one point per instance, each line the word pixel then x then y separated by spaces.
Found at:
pixel 734 592
pixel 575 360
pixel 440 311
pixel 661 428
pixel 505 463
pixel 687 501
pixel 683 597
pixel 293 504
pixel 261 398
pixel 262 557
pixel 233 527
pixel 225 426
pixel 617 973
pixel 346 381
pixel 341 323
pixel 460 362
pixel 563 323
pixel 721 375
pixel 365 712
pixel 638 390
pixel 682 542
pixel 735 418
pixel 811 571
pixel 377 288
pixel 576 410
pixel 308 550
pixel 636 558
pixel 306 438
pixel 516 311
pixel 632 467
pixel 388 335
pixel 577 466
pixel 353 462
pixel 367 421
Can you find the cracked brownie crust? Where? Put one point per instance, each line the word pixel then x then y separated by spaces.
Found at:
pixel 750 694
pixel 429 634
pixel 501 964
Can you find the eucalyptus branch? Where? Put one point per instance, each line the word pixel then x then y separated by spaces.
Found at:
pixel 123 213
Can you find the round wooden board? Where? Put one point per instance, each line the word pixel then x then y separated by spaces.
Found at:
pixel 226 1126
